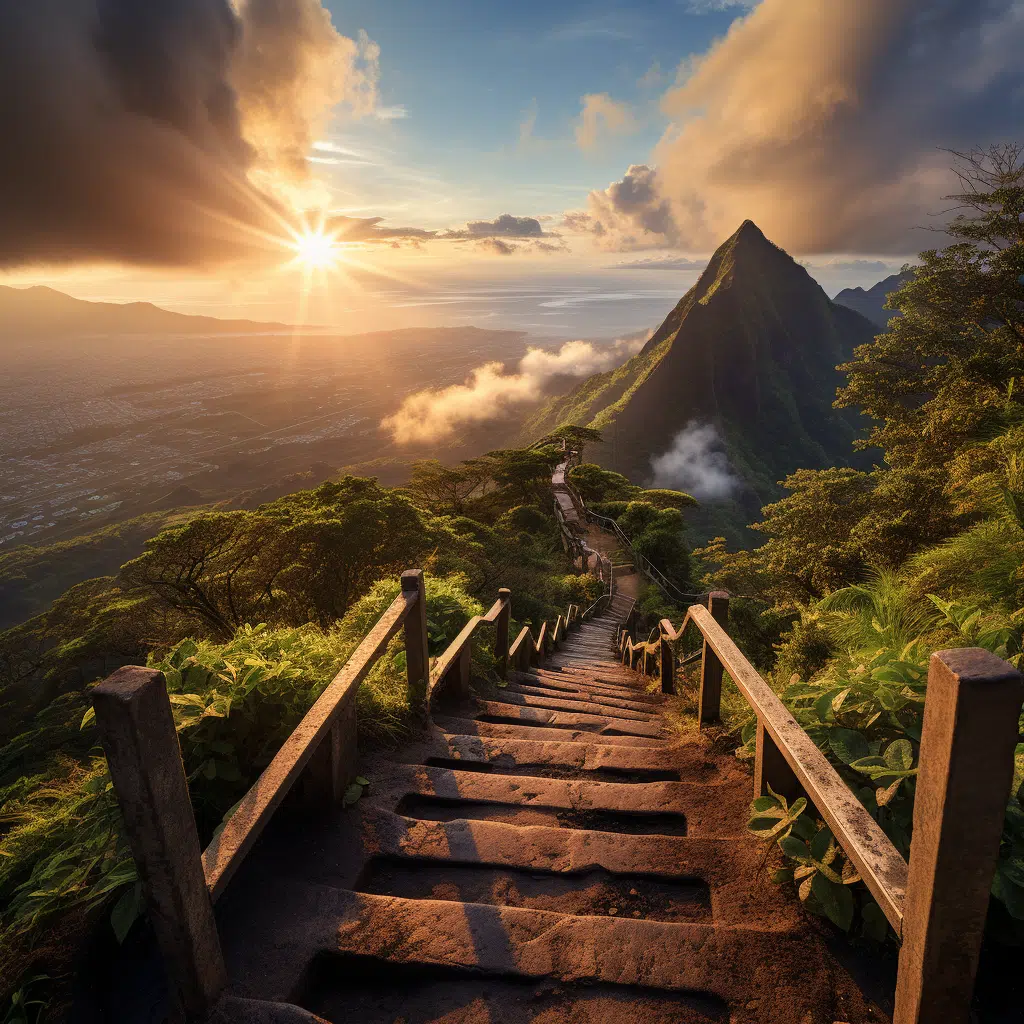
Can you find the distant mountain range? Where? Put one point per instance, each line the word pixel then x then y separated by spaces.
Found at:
pixel 31 312
pixel 871 303
pixel 749 357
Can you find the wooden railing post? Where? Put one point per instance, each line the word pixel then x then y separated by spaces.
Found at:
pixel 668 666
pixel 710 701
pixel 417 655
pixel 460 671
pixel 501 631
pixel 137 730
pixel 771 769
pixel 964 778
pixel 332 767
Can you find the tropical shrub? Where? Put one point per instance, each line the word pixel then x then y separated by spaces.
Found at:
pixel 865 712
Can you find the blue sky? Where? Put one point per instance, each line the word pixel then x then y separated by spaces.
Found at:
pixel 470 76
pixel 619 144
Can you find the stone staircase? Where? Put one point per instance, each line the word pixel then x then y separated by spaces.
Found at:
pixel 558 849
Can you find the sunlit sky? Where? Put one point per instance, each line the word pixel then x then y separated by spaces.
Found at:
pixel 535 110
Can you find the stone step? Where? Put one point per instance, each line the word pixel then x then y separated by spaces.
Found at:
pixel 562 681
pixel 540 699
pixel 592 892
pixel 681 807
pixel 518 942
pixel 474 727
pixel 580 698
pixel 713 860
pixel 507 755
pixel 500 712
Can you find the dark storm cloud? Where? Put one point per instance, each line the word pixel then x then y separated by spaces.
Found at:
pixel 125 135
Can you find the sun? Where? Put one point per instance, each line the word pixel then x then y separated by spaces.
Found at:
pixel 316 250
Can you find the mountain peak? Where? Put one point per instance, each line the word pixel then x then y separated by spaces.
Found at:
pixel 748 231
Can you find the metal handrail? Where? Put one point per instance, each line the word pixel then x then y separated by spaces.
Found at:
pixel 667 587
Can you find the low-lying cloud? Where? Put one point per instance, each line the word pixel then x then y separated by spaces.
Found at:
pixel 824 121
pixel 161 132
pixel 696 463
pixel 490 393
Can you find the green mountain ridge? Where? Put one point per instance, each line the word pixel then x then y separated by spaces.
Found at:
pixel 870 302
pixel 751 349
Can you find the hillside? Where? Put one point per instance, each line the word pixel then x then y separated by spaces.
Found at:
pixel 871 302
pixel 750 351
pixel 44 311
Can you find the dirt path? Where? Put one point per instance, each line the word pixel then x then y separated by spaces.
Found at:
pixel 554 851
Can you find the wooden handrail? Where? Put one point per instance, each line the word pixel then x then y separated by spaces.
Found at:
pixel 872 852
pixel 226 852
pixel 456 655
pixel 136 725
pixel 877 860
pixel 937 904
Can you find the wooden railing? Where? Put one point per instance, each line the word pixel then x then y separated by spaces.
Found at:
pixel 670 590
pixel 316 764
pixel 530 650
pixel 937 905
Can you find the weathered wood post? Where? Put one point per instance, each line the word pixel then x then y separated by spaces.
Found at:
pixel 668 665
pixel 964 777
pixel 771 769
pixel 460 671
pixel 137 730
pixel 332 767
pixel 710 701
pixel 417 655
pixel 501 631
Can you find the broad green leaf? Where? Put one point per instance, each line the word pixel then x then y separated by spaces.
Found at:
pixel 900 755
pixel 361 781
pixel 848 745
pixel 352 794
pixel 794 849
pixel 823 705
pixel 836 900
pixel 819 845
pixel 804 827
pixel 767 803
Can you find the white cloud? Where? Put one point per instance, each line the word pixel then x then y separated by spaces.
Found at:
pixel 601 115
pixel 715 6
pixel 696 463
pixel 633 213
pixel 489 393
pixel 397 112
pixel 825 122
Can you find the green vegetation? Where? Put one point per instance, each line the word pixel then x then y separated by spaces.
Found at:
pixel 865 574
pixel 249 614
pixel 651 519
pixel 750 350
pixel 31 576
